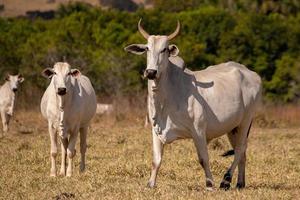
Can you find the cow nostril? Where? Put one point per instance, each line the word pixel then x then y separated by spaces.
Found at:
pixel 151 74
pixel 61 91
pixel 15 89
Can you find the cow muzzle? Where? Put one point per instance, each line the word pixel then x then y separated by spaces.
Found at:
pixel 61 91
pixel 150 74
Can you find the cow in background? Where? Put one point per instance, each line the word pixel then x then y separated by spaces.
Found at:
pixel 8 97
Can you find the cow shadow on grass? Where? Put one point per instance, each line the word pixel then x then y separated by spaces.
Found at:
pixel 64 196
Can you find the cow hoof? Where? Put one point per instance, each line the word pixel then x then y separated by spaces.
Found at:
pixel 150 184
pixel 209 185
pixel 52 174
pixel 69 172
pixel 62 173
pixel 82 168
pixel 225 185
pixel 240 185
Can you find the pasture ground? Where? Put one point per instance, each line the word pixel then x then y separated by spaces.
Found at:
pixel 119 160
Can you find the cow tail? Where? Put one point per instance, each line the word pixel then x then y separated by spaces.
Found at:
pixel 228 153
pixel 249 129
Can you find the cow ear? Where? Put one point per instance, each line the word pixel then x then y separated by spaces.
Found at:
pixel 20 78
pixel 7 77
pixel 75 73
pixel 138 49
pixel 48 73
pixel 173 50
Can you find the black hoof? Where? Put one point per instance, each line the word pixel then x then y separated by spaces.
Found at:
pixel 225 185
pixel 240 185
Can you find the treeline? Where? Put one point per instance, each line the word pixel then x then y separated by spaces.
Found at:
pixel 92 40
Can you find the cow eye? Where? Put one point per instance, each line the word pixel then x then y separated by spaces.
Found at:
pixel 164 50
pixel 147 49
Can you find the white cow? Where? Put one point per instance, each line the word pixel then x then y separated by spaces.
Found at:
pixel 104 108
pixel 69 103
pixel 7 98
pixel 201 105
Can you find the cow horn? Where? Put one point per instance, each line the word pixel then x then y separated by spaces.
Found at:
pixel 142 31
pixel 175 33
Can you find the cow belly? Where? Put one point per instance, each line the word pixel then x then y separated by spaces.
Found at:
pixel 170 135
pixel 223 112
pixel 223 124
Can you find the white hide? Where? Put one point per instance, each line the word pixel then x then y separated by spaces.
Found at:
pixel 68 114
pixel 7 98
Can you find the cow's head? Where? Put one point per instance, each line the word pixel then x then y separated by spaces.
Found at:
pixel 14 81
pixel 158 50
pixel 60 75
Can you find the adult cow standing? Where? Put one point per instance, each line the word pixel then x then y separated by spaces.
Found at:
pixel 201 105
pixel 7 98
pixel 69 103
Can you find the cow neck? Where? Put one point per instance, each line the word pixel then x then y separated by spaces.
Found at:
pixel 63 102
pixel 11 94
pixel 156 92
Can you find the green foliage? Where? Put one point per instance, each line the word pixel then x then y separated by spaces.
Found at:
pixel 212 32
pixel 176 5
pixel 285 83
pixel 284 7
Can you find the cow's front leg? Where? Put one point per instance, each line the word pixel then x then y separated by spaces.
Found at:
pixel 201 146
pixel 157 157
pixel 4 122
pixel 53 151
pixel 71 152
pixel 64 146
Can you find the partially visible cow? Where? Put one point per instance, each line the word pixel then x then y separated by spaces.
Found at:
pixel 201 105
pixel 104 108
pixel 69 103
pixel 7 98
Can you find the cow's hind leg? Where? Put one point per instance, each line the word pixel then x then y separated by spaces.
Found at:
pixel 71 151
pixel 239 143
pixel 242 163
pixel 83 135
pixel 241 183
pixel 7 119
pixel 157 157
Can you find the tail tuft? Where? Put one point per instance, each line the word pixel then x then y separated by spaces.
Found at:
pixel 228 153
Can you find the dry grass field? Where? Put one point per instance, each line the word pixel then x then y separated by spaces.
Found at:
pixel 119 159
